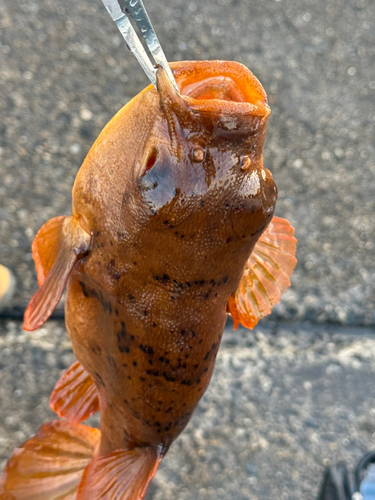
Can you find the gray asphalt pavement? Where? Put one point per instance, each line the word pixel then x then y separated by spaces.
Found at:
pixel 285 400
pixel 283 403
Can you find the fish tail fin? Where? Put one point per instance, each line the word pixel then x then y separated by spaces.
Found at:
pixel 49 466
pixel 120 475
pixel 266 275
pixel 75 396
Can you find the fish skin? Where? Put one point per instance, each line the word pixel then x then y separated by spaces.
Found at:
pixel 146 310
pixel 168 207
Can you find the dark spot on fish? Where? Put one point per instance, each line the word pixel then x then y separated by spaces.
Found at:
pixel 145 312
pixel 228 239
pixel 188 284
pixel 201 203
pixel 134 263
pixel 160 402
pixel 158 424
pixel 182 332
pixel 116 312
pixel 168 378
pixel 198 380
pixel 150 362
pixel 146 349
pixel 154 324
pixel 85 292
pixel 196 365
pixel 155 373
pixel 184 365
pixel 135 363
pixel 206 356
pixel 168 410
pixel 111 361
pixel 192 236
pixel 206 295
pixel 129 377
pixel 99 379
pixel 201 282
pixel 205 370
pixel 182 236
pixel 96 349
pixel 131 298
pixel 142 379
pixel 132 337
pixel 225 279
pixel 212 282
pixel 172 298
pixel 112 270
pixel 124 365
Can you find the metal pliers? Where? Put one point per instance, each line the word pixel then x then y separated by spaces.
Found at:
pixel 134 11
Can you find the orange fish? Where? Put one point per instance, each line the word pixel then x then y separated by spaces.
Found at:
pixel 172 229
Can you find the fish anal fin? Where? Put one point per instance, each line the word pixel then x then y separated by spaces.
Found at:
pixel 120 475
pixel 266 275
pixel 50 465
pixel 75 396
pixel 56 248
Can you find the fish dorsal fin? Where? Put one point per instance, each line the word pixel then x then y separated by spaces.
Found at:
pixel 266 275
pixel 56 248
pixel 49 466
pixel 75 396
pixel 120 475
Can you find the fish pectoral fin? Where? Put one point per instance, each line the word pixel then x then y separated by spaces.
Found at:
pixel 75 396
pixel 120 475
pixel 56 248
pixel 49 466
pixel 266 275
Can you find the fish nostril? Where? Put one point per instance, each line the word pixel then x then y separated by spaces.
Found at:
pixel 245 163
pixel 150 161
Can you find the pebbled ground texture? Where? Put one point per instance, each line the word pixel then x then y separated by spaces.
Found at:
pixel 286 399
pixel 65 71
pixel 283 403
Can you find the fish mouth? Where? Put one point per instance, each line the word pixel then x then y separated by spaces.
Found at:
pixel 224 91
pixel 228 85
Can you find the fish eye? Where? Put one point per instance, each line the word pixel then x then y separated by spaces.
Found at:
pixel 198 154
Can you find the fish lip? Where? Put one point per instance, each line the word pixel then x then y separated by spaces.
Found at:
pixel 250 99
pixel 236 103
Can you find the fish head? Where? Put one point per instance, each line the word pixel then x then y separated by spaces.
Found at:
pixel 204 155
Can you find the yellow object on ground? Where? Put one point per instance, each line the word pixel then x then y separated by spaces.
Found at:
pixel 7 286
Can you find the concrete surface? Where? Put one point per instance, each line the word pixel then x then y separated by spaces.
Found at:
pixel 285 400
pixel 283 403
